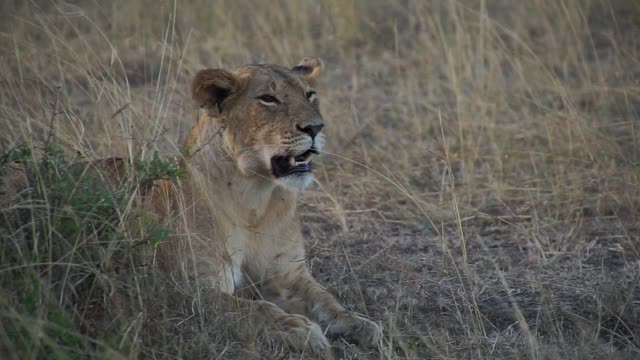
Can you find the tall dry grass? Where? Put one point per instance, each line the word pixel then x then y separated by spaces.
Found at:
pixel 479 196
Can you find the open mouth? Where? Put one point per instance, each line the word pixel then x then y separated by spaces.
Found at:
pixel 285 165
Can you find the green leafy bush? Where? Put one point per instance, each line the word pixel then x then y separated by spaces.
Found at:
pixel 67 251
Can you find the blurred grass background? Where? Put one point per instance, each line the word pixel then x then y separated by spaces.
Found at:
pixel 480 196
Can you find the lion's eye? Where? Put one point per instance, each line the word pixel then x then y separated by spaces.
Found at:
pixel 268 100
pixel 311 95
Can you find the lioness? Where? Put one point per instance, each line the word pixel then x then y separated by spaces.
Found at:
pixel 234 216
pixel 249 157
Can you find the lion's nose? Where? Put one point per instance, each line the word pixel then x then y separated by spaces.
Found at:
pixel 311 130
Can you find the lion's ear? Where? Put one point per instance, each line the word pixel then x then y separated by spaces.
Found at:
pixel 310 68
pixel 211 87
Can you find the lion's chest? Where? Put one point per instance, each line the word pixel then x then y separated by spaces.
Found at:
pixel 258 253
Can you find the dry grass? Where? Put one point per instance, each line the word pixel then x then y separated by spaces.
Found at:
pixel 480 198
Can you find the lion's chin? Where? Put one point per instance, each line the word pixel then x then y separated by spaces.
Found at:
pixel 295 182
pixel 293 171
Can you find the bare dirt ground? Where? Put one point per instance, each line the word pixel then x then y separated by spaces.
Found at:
pixel 479 197
pixel 416 284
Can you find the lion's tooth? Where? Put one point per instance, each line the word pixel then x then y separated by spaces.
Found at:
pixel 292 161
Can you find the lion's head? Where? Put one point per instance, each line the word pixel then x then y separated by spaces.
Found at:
pixel 270 117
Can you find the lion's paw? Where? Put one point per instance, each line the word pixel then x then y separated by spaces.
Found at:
pixel 302 334
pixel 360 330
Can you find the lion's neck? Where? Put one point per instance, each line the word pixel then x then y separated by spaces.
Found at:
pixel 216 180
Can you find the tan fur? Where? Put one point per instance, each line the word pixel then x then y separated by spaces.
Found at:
pixel 240 226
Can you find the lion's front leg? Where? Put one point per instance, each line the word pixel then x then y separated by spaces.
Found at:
pixel 297 292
